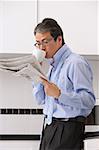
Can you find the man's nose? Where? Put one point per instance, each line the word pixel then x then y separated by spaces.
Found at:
pixel 42 47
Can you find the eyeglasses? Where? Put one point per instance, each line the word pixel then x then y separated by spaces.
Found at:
pixel 45 42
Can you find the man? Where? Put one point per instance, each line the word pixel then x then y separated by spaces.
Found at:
pixel 68 96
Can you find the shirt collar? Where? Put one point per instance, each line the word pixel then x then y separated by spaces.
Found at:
pixel 50 61
pixel 61 54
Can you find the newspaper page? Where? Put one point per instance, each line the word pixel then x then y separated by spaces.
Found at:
pixel 15 64
pixel 26 66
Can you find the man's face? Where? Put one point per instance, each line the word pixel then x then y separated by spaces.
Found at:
pixel 45 41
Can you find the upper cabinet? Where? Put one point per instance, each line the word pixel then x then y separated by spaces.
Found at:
pixel 17 21
pixel 78 20
pixel 98 25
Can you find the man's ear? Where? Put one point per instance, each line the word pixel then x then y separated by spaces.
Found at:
pixel 59 39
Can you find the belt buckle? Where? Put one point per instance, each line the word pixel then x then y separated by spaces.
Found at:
pixel 65 119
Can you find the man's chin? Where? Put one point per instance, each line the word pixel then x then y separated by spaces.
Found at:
pixel 47 57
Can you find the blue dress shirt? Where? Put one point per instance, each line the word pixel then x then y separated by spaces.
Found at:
pixel 73 75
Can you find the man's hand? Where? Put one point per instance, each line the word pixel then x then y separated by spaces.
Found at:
pixel 50 88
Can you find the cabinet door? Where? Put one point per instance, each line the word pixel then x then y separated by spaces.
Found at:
pixel 98 24
pixel 91 144
pixel 78 20
pixel 17 20
pixel 19 145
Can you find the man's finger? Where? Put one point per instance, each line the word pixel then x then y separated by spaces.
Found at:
pixel 44 81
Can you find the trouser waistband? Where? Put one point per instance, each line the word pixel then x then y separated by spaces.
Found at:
pixel 77 119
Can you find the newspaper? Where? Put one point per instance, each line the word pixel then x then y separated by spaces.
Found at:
pixel 26 66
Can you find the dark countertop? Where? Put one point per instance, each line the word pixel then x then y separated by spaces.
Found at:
pixel 88 135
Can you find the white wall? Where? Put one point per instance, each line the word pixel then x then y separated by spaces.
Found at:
pixel 95 69
pixel 15 92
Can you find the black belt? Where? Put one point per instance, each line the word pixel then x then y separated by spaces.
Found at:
pixel 75 119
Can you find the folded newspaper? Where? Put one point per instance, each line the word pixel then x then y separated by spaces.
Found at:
pixel 26 66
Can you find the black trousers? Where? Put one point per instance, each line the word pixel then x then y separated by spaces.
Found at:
pixel 63 135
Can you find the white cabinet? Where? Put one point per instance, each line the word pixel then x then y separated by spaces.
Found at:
pixel 17 21
pixel 98 79
pixel 91 144
pixel 21 124
pixel 98 24
pixel 19 145
pixel 78 20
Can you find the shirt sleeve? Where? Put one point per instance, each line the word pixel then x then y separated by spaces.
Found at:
pixel 82 95
pixel 39 94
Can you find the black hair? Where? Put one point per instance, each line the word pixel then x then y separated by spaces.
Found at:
pixel 49 25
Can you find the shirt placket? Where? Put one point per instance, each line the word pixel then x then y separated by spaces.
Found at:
pixel 50 101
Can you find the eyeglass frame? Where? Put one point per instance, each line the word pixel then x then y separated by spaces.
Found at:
pixel 44 42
